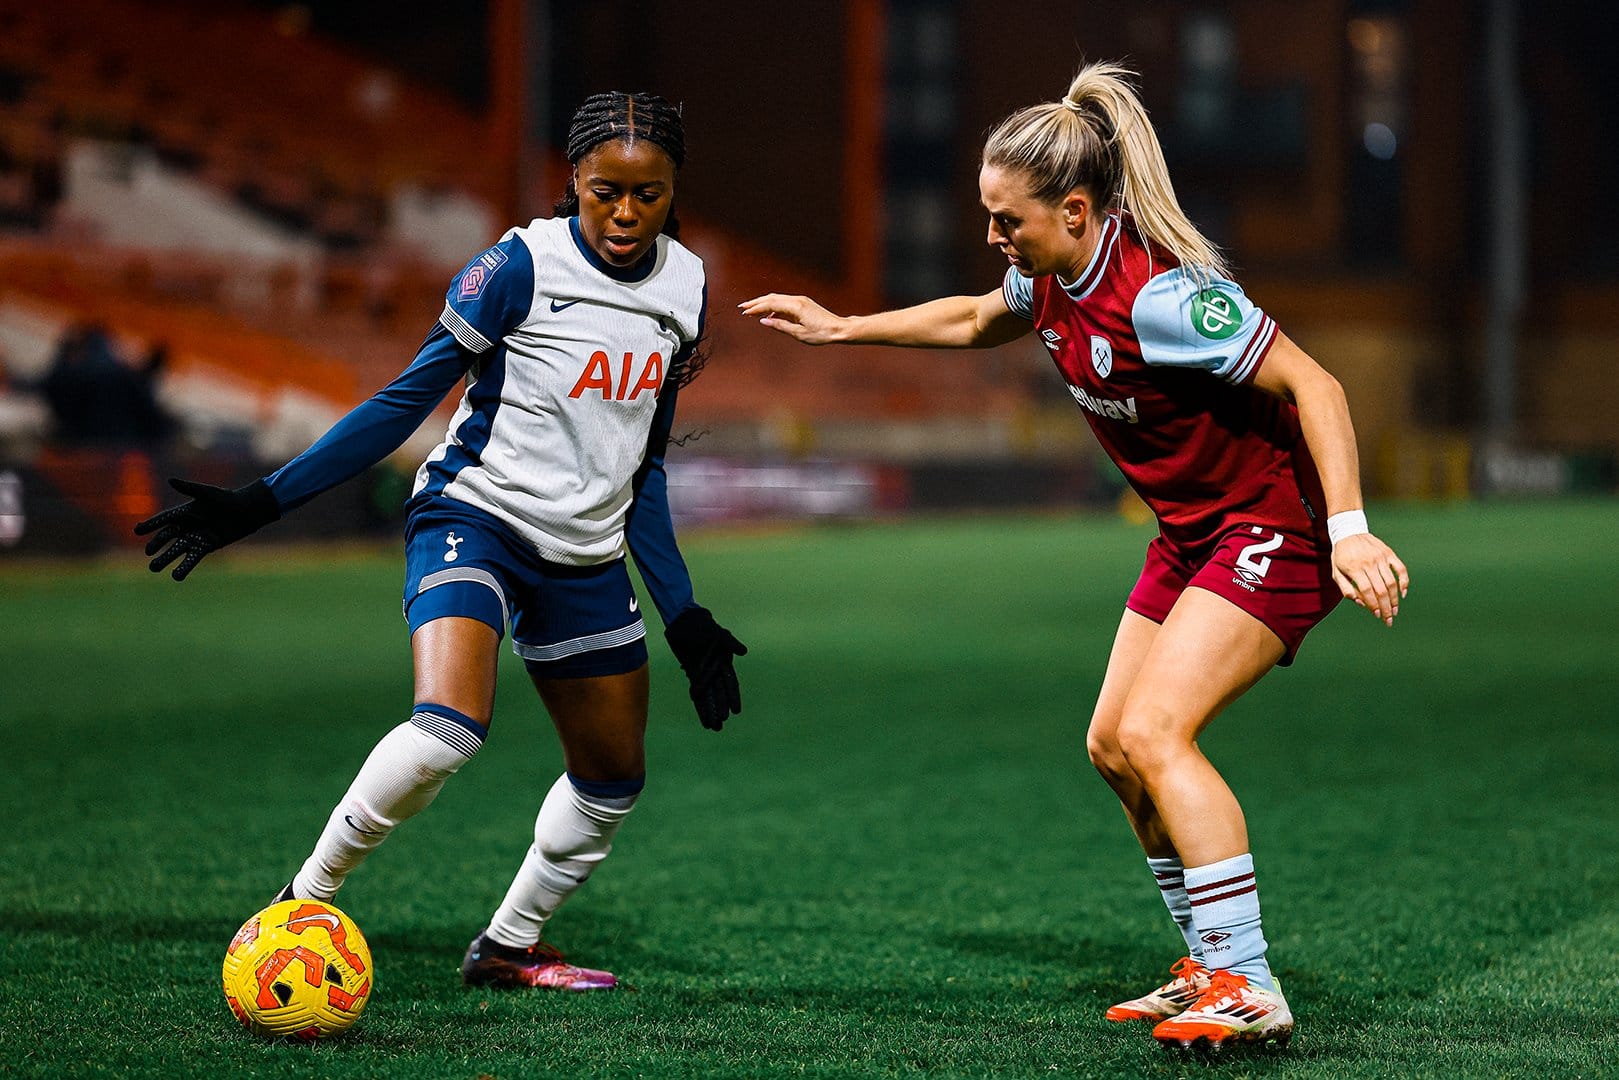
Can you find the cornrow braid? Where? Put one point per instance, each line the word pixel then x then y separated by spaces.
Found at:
pixel 617 115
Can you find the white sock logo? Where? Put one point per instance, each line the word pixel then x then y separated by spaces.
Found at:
pixel 453 540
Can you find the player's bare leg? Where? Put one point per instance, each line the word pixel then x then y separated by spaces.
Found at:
pixel 602 724
pixel 455 660
pixel 1188 977
pixel 1207 654
pixel 1130 647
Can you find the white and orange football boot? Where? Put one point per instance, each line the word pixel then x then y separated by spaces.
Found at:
pixel 1171 999
pixel 1231 1010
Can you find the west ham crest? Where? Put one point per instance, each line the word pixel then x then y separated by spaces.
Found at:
pixel 1101 355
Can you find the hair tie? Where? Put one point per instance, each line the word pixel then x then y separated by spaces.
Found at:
pixel 1069 105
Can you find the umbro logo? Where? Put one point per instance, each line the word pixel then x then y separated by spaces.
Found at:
pixel 559 306
pixel 1214 937
pixel 1051 338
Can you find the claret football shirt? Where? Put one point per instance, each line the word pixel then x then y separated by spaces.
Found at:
pixel 1162 361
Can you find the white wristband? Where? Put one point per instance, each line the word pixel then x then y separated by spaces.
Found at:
pixel 1349 523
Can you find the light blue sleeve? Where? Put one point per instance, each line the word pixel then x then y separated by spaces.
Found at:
pixel 491 295
pixel 1019 292
pixel 1211 326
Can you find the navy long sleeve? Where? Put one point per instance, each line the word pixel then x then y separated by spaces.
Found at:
pixel 649 529
pixel 376 427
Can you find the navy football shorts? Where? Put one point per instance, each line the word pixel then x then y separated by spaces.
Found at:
pixel 567 622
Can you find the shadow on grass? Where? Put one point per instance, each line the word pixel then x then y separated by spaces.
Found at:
pixel 121 926
pixel 1103 967
pixel 435 945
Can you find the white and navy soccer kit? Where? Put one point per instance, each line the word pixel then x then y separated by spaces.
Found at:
pixel 553 463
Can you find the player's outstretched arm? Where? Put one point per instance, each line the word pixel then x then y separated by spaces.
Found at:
pixel 212 518
pixel 954 322
pixel 1365 568
pixel 370 432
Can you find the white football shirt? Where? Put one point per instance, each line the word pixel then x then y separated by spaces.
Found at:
pixel 573 354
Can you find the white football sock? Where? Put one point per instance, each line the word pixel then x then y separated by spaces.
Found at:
pixel 403 774
pixel 572 835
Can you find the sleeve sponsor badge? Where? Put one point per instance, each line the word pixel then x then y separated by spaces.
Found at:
pixel 478 273
pixel 1215 314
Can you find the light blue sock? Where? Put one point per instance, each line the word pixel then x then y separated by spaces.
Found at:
pixel 1171 878
pixel 1225 913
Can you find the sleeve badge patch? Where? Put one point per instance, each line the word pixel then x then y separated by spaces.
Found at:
pixel 477 275
pixel 1215 314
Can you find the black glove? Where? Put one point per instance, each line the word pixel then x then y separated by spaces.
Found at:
pixel 214 517
pixel 704 649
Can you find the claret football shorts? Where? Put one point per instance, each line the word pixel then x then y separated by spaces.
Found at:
pixel 566 621
pixel 1280 578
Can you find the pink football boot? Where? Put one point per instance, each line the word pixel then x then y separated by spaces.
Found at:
pixel 489 963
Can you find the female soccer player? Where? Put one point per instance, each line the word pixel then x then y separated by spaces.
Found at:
pixel 574 335
pixel 1239 442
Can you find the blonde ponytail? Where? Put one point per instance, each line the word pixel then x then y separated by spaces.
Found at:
pixel 1099 137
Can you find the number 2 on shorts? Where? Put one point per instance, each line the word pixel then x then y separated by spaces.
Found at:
pixel 1260 566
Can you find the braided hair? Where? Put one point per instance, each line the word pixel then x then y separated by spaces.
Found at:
pixel 617 115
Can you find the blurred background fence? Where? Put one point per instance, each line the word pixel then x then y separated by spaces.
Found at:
pixel 224 223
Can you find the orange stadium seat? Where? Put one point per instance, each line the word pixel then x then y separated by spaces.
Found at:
pixel 213 86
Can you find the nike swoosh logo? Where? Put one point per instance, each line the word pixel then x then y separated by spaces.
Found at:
pixel 635 605
pixel 558 307
pixel 349 819
pixel 325 919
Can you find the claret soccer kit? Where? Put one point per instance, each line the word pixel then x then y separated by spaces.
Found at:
pixel 1161 361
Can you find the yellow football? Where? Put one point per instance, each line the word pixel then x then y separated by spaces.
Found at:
pixel 300 968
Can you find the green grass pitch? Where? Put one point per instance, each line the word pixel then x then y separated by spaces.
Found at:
pixel 897 862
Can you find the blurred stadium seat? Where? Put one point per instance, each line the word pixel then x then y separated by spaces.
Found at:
pixel 283 213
